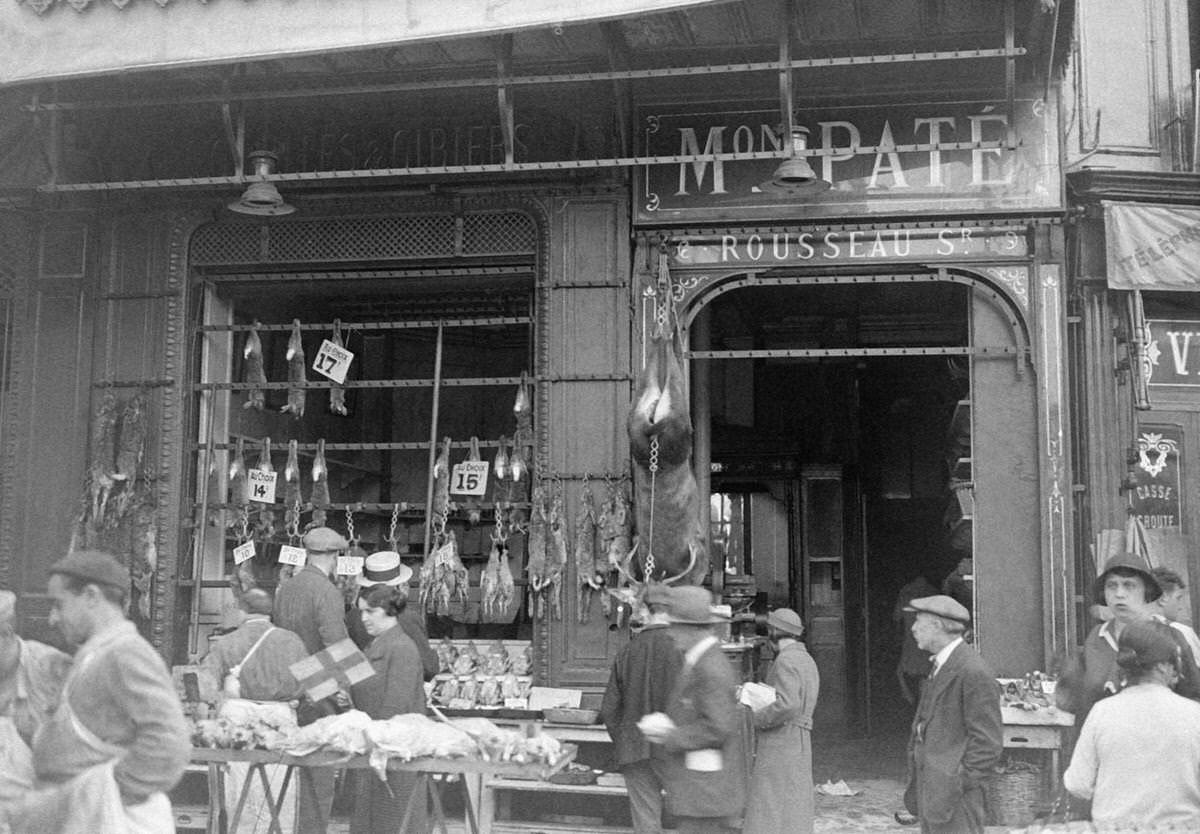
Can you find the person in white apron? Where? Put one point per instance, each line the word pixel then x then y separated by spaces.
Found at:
pixel 250 667
pixel 118 740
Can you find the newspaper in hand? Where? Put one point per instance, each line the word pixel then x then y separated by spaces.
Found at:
pixel 757 696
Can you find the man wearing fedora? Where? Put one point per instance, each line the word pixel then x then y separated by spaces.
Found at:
pixel 704 767
pixel 781 787
pixel 1129 590
pixel 642 678
pixel 386 568
pixel 119 719
pixel 957 734
pixel 310 604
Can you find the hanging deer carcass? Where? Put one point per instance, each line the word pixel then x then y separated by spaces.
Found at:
pixel 671 546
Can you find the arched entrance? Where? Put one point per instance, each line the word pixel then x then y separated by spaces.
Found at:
pixel 864 428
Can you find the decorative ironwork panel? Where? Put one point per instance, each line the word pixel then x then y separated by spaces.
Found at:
pixel 372 238
pixel 491 233
pixel 362 239
pixel 227 243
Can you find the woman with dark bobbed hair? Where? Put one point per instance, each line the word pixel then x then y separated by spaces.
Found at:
pixel 395 688
pixel 1138 754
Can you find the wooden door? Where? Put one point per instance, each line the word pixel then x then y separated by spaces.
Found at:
pixel 831 594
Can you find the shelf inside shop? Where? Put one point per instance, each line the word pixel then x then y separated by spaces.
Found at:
pixel 355 507
pixel 961 470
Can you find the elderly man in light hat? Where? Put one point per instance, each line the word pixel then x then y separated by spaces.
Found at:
pixel 310 604
pixel 781 787
pixel 640 682
pixel 704 769
pixel 117 741
pixel 957 735
pixel 386 568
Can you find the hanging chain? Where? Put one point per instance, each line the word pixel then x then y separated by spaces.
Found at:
pixel 244 521
pixel 293 525
pixel 650 533
pixel 350 524
pixel 391 536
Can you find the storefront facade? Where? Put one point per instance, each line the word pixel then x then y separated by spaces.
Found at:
pixel 878 369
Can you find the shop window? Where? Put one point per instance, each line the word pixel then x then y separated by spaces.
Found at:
pixel 429 362
pixel 729 532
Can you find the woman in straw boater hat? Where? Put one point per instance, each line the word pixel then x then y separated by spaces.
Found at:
pixel 385 568
pixel 1138 754
pixel 781 787
pixel 701 733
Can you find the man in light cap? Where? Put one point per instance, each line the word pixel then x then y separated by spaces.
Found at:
pixel 117 741
pixel 704 769
pixel 311 605
pixel 641 681
pixel 957 735
pixel 781 787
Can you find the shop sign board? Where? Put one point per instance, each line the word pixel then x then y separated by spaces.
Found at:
pixel 1171 355
pixel 1154 495
pixel 879 157
pixel 815 246
pixel 1152 247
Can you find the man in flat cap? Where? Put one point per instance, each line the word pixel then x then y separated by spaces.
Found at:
pixel 781 787
pixel 119 719
pixel 641 681
pixel 957 735
pixel 310 604
pixel 700 732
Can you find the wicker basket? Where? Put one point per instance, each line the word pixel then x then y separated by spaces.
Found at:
pixel 1013 795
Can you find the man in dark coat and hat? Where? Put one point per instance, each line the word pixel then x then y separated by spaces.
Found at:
pixel 957 734
pixel 704 770
pixel 642 679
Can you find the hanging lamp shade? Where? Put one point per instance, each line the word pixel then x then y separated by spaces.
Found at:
pixel 794 175
pixel 261 198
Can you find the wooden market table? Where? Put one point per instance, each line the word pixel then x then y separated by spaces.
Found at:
pixel 425 768
pixel 1037 729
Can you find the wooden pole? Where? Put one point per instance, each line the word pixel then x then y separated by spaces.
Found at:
pixel 433 439
pixel 701 335
pixel 198 541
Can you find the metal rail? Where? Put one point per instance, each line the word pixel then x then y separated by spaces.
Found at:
pixel 534 80
pixel 426 324
pixel 828 353
pixel 511 167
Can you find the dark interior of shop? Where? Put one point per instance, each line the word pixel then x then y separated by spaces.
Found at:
pixel 885 427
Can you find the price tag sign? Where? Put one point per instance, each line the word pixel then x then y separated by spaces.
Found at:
pixel 243 552
pixel 332 361
pixel 469 477
pixel 349 565
pixel 289 555
pixel 262 485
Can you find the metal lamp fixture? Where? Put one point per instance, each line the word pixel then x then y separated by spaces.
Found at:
pixel 261 198
pixel 794 175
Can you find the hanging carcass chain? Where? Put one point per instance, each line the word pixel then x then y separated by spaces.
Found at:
pixel 391 536
pixel 650 533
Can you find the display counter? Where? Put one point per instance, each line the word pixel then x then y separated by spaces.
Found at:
pixel 471 769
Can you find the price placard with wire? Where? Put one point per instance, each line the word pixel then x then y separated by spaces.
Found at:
pixel 333 361
pixel 469 477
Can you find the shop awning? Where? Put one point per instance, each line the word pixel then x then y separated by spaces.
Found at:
pixel 1152 247
pixel 58 39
